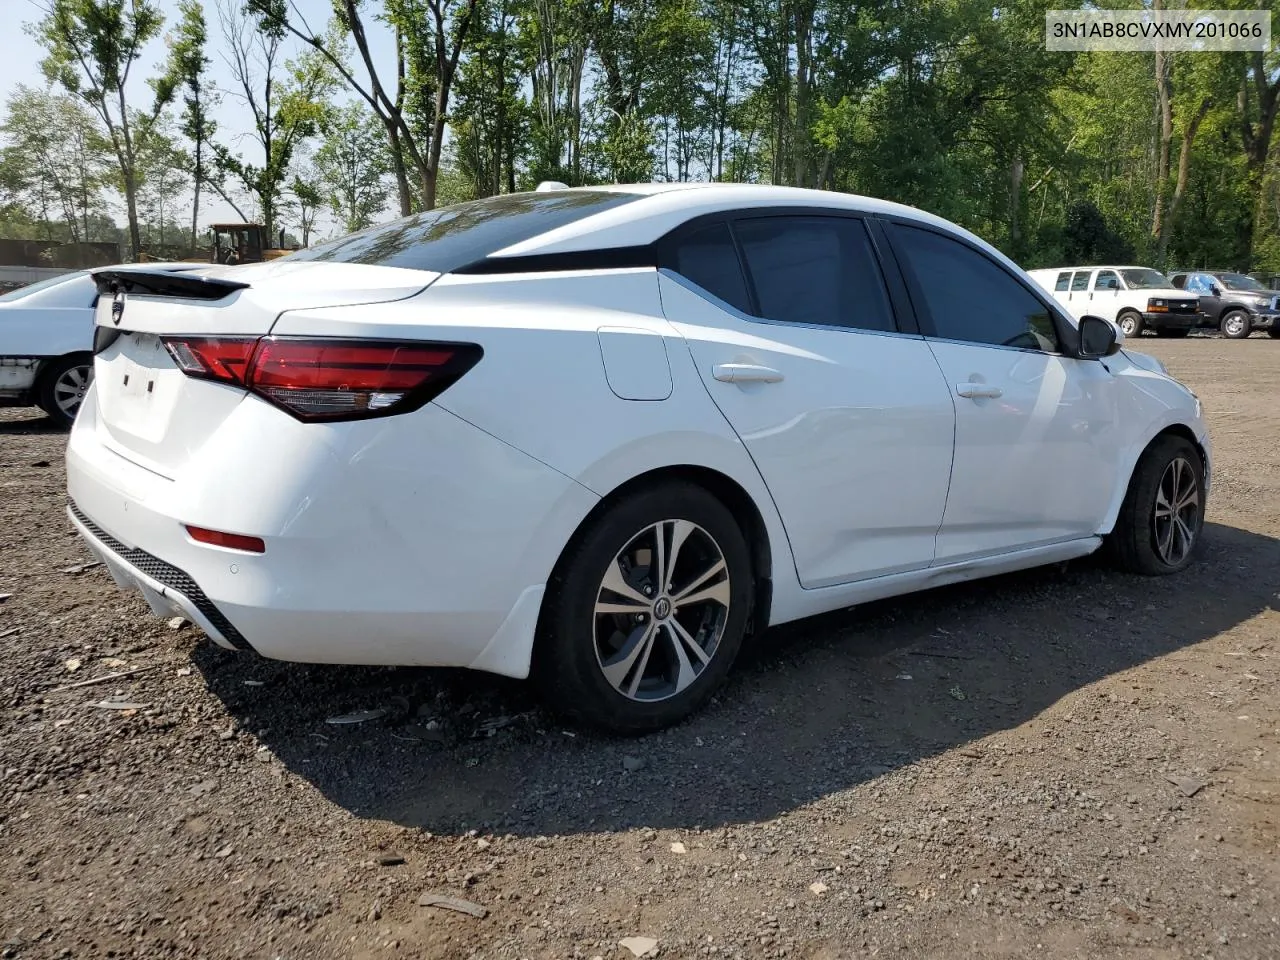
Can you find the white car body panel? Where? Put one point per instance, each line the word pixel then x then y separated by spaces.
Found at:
pixel 45 324
pixel 1034 465
pixel 430 537
pixel 849 516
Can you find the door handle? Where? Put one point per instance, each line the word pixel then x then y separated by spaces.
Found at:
pixel 978 391
pixel 745 373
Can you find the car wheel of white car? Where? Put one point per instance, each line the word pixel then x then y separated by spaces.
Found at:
pixel 63 387
pixel 1235 325
pixel 647 611
pixel 1163 511
pixel 1130 323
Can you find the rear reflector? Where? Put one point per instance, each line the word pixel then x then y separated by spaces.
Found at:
pixel 328 379
pixel 233 541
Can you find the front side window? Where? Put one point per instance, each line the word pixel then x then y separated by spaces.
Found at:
pixel 815 270
pixel 451 237
pixel 1081 280
pixel 1106 280
pixel 1238 281
pixel 969 297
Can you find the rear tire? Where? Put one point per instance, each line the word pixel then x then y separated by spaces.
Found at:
pixel 617 647
pixel 1159 525
pixel 1274 332
pixel 1235 325
pixel 1130 323
pixel 62 388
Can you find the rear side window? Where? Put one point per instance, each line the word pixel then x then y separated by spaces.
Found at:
pixel 451 237
pixel 1179 280
pixel 708 258
pixel 1064 280
pixel 1080 281
pixel 815 270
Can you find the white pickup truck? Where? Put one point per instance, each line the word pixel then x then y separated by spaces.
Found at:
pixel 1134 297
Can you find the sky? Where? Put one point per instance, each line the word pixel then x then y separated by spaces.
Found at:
pixel 20 64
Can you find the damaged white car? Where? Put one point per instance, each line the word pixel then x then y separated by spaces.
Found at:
pixel 46 345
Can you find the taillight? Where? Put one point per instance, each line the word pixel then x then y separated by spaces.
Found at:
pixel 225 359
pixel 328 379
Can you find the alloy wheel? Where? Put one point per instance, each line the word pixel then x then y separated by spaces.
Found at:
pixel 661 610
pixel 1128 325
pixel 70 388
pixel 1176 517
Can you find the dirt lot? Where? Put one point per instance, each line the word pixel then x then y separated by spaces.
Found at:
pixel 1063 763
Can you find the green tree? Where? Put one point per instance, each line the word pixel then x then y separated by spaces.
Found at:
pixel 187 73
pixel 91 48
pixel 55 159
pixel 413 102
pixel 288 101
pixel 352 166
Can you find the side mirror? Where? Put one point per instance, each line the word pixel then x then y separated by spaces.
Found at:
pixel 1216 290
pixel 1098 338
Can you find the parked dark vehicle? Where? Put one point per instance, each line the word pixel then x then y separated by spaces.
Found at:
pixel 1234 303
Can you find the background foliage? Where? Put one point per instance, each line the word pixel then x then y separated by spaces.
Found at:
pixel 950 105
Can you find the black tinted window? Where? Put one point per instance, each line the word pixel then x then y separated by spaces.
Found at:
pixel 969 297
pixel 708 258
pixel 454 236
pixel 815 270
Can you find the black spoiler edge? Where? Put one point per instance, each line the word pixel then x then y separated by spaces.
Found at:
pixel 162 283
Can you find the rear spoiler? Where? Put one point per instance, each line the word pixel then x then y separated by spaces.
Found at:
pixel 163 283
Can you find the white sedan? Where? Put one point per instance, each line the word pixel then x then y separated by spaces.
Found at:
pixel 599 435
pixel 46 332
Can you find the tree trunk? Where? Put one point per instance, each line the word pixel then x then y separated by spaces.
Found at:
pixel 1164 97
pixel 1184 170
pixel 1016 172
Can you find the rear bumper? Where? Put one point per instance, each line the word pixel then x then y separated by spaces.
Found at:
pixel 166 589
pixel 415 540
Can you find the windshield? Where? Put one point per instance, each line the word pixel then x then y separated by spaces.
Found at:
pixel 1145 279
pixel 450 237
pixel 39 285
pixel 1238 281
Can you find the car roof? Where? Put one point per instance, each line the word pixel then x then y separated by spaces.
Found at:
pixel 661 207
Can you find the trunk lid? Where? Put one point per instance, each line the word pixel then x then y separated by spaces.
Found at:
pixel 148 411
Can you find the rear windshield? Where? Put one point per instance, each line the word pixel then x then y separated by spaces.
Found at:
pixel 451 237
pixel 46 294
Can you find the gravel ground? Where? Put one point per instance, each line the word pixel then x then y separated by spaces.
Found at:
pixel 1063 763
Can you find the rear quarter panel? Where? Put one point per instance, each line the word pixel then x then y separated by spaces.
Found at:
pixel 542 388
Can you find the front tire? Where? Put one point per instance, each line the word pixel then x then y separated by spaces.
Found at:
pixel 1235 325
pixel 63 385
pixel 1130 323
pixel 1159 525
pixel 646 611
